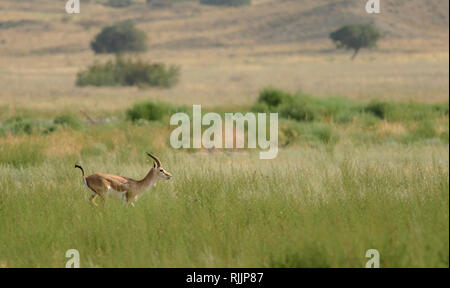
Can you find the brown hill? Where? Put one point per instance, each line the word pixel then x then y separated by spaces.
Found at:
pixel 189 25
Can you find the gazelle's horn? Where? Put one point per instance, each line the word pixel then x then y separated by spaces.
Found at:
pixel 155 158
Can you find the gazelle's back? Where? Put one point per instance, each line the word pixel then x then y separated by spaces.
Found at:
pixel 103 181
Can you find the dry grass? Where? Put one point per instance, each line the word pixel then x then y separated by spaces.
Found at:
pixel 214 80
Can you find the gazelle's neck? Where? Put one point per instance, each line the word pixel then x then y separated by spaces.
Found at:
pixel 149 180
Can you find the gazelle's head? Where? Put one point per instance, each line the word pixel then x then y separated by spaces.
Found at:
pixel 160 171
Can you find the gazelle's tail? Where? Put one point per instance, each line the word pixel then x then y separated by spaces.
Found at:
pixel 81 168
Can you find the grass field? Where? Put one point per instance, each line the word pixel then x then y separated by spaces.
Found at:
pixel 326 199
pixel 370 171
pixel 311 208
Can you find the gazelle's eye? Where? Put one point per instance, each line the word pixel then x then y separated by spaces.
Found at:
pixel 161 170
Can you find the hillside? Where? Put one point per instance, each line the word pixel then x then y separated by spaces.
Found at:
pixel 43 27
pixel 226 55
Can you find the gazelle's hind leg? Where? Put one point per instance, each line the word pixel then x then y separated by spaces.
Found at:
pixel 93 197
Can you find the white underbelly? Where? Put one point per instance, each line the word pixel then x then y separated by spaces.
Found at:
pixel 115 194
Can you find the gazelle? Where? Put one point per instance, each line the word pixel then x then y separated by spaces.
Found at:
pixel 124 188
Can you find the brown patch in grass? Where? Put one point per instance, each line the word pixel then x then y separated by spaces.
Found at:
pixel 386 129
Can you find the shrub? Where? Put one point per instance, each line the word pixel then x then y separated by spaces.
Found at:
pixel 234 3
pixel 338 109
pixel 152 111
pixel 68 120
pixel 129 73
pixel 378 109
pixel 120 37
pixel 261 107
pixel 392 111
pixel 19 125
pixel 301 108
pixel 356 37
pixel 273 97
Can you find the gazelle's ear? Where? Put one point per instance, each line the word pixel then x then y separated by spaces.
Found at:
pixel 154 164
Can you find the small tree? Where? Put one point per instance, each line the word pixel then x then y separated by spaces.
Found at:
pixel 355 37
pixel 120 37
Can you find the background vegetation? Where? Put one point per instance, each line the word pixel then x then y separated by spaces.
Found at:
pixel 120 37
pixel 129 72
pixel 356 37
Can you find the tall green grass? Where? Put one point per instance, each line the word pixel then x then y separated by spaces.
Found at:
pixel 21 154
pixel 303 107
pixel 309 208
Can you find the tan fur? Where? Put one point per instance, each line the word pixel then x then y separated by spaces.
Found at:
pixel 127 189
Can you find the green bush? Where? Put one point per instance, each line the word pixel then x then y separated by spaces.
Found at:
pixel 392 111
pixel 68 121
pixel 234 3
pixel 152 111
pixel 378 109
pixel 129 73
pixel 20 126
pixel 273 98
pixel 24 126
pixel 98 75
pixel 120 37
pixel 261 107
pixel 301 108
pixel 356 37
pixel 17 125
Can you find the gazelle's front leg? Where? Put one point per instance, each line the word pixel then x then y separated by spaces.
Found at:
pixel 127 199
